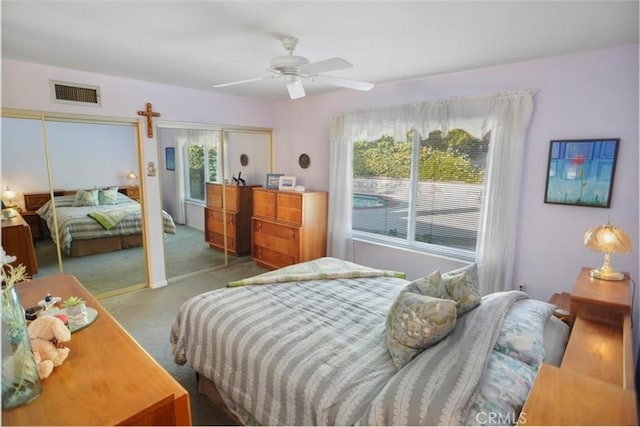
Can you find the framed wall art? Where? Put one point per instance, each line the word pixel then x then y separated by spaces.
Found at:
pixel 273 180
pixel 170 154
pixel 580 172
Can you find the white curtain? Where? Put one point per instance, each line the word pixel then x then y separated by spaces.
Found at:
pixel 506 115
pixel 181 138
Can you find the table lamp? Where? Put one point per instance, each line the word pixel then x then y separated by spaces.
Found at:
pixel 9 196
pixel 608 239
pixel 132 176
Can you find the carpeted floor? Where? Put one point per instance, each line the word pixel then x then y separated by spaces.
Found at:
pixel 185 252
pixel 148 314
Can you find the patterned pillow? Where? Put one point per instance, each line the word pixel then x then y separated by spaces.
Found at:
pixel 86 198
pixel 430 285
pixel 108 196
pixel 462 286
pixel 522 333
pixel 416 322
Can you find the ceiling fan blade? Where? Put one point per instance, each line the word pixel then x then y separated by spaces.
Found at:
pixel 295 90
pixel 255 79
pixel 351 84
pixel 331 64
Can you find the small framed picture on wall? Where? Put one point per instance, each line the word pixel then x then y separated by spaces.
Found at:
pixel 170 155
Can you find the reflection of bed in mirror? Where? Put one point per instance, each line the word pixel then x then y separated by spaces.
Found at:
pixel 86 226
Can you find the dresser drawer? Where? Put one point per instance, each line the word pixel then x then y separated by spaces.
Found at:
pixel 264 204
pixel 277 237
pixel 289 208
pixel 272 258
pixel 214 197
pixel 215 217
pixel 217 239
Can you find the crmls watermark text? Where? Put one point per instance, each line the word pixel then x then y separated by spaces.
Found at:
pixel 498 418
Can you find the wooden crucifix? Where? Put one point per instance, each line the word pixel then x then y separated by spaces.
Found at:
pixel 149 113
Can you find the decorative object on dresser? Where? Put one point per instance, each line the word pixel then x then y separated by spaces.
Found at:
pixel 273 180
pixel 607 239
pixel 288 227
pixel 9 197
pixel 108 378
pixel 239 204
pixel 580 172
pixel 594 384
pixel 287 183
pixel 18 241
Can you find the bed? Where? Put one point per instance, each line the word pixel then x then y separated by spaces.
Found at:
pixel 97 224
pixel 310 345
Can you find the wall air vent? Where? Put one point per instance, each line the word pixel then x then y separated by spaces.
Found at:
pixel 74 93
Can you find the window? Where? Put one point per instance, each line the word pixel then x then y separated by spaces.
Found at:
pixel 425 194
pixel 201 166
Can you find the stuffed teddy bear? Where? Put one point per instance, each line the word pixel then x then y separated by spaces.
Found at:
pixel 46 334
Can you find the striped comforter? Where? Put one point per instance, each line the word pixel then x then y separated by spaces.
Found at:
pixel 314 353
pixel 75 224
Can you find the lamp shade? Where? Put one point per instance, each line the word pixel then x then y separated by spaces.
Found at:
pixel 132 175
pixel 608 239
pixel 9 195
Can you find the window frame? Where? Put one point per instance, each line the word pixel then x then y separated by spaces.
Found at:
pixel 409 243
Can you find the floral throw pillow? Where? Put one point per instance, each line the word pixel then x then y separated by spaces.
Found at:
pixel 430 285
pixel 416 322
pixel 108 196
pixel 86 198
pixel 462 286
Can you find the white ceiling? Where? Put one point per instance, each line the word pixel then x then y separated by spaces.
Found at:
pixel 200 43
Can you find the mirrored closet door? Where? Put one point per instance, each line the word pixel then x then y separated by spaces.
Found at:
pixel 86 166
pixel 198 162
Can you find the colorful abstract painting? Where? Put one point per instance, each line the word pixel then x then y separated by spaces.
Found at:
pixel 581 172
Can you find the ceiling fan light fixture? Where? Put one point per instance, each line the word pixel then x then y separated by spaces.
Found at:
pixel 291 79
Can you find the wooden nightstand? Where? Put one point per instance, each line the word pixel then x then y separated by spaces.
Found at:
pixel 594 384
pixel 32 202
pixel 131 192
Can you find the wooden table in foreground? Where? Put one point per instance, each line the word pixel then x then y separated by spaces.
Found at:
pixel 108 378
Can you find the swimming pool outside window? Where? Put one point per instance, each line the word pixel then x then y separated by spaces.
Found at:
pixel 424 192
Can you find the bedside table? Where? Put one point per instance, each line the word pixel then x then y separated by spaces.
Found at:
pixel 131 192
pixel 600 300
pixel 563 302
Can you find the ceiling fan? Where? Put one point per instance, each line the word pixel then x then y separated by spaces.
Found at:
pixel 293 69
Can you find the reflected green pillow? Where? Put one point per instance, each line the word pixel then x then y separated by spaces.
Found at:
pixel 86 198
pixel 108 196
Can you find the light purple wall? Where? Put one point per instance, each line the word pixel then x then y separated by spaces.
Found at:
pixel 26 86
pixel 593 94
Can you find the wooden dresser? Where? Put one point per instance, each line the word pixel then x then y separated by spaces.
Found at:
pixel 239 203
pixel 288 227
pixel 17 241
pixel 108 378
pixel 594 384
pixel 32 202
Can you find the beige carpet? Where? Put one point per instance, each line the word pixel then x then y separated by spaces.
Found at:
pixel 148 314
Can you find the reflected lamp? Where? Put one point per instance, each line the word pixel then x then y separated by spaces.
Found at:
pixel 608 239
pixel 9 196
pixel 132 176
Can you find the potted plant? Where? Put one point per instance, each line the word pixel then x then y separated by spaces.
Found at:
pixel 76 309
